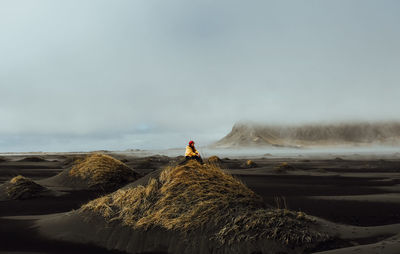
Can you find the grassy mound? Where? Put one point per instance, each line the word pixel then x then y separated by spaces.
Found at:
pixel 284 167
pixel 101 170
pixel 249 164
pixel 214 159
pixel 193 197
pixel 21 187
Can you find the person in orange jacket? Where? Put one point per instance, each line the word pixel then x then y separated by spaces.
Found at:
pixel 192 153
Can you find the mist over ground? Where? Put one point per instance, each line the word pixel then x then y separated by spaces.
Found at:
pixel 115 75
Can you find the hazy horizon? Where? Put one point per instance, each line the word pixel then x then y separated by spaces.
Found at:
pixel 116 75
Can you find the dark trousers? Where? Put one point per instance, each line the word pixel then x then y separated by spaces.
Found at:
pixel 197 158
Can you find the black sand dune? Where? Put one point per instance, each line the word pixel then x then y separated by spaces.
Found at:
pixel 20 237
pixel 245 135
pixel 148 164
pixel 33 159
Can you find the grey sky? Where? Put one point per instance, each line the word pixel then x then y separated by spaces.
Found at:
pixel 83 75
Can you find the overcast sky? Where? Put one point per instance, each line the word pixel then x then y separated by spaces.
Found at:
pixel 87 75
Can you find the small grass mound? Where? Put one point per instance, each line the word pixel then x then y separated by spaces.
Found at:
pixel 249 164
pixel 193 197
pixel 102 171
pixel 214 159
pixel 284 167
pixel 21 187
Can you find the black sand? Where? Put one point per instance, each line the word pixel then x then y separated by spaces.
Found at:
pixel 306 186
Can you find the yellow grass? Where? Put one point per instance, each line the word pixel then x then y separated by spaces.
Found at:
pixel 250 163
pixel 100 169
pixel 214 159
pixel 283 165
pixel 18 178
pixel 202 197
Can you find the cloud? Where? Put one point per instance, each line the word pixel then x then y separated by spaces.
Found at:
pixel 190 69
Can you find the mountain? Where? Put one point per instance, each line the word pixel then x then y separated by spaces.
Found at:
pixel 361 133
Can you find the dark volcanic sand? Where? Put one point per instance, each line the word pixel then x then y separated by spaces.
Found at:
pixel 338 190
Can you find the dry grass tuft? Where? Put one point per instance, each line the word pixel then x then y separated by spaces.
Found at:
pixel 21 187
pixel 214 159
pixel 102 170
pixel 194 197
pixel 250 164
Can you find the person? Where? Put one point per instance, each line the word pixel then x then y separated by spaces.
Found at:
pixel 192 153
